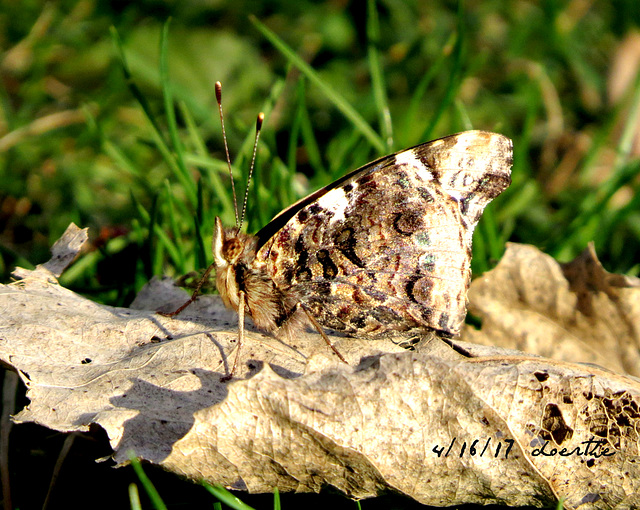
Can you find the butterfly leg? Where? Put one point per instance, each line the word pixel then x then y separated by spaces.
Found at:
pixel 241 297
pixel 193 297
pixel 321 331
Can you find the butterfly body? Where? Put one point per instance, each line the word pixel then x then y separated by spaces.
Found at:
pixel 271 307
pixel 384 250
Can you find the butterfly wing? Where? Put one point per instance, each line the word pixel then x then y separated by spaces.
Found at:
pixel 387 248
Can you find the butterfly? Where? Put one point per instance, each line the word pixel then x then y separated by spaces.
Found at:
pixel 384 250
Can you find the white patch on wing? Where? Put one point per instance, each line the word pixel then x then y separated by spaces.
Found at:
pixel 408 158
pixel 455 194
pixel 456 165
pixel 336 202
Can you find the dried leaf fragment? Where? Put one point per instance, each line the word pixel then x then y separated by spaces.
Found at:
pixel 63 253
pixel 574 312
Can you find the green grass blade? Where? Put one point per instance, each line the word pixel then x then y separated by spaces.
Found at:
pixel 629 133
pixel 308 135
pixel 256 208
pixel 341 104
pixel 286 189
pixel 153 251
pixel 151 491
pixel 276 499
pixel 488 243
pixel 377 75
pixel 294 135
pixel 158 231
pixel 82 266
pixel 344 153
pixel 204 161
pixel 480 250
pixel 201 252
pixel 267 107
pixel 226 497
pixel 114 152
pixel 200 203
pixel 133 88
pixel 182 173
pixel 586 225
pixel 415 109
pixel 142 212
pixel 120 159
pixel 134 497
pixel 455 76
pixel 625 213
pixel 462 115
pixel 156 133
pixel 192 129
pixel 173 223
pixel 242 161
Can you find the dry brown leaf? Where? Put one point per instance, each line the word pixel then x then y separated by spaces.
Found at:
pixel 574 312
pixel 432 424
pixel 63 252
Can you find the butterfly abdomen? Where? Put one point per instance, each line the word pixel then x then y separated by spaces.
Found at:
pixel 270 307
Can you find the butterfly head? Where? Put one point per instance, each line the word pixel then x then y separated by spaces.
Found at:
pixel 233 253
pixel 231 247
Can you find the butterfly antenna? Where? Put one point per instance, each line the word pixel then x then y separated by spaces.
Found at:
pixel 226 148
pixel 259 122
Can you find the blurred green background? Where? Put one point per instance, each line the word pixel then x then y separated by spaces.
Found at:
pixel 141 163
pixel 75 145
